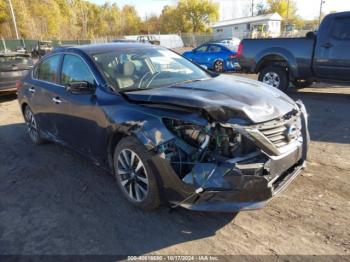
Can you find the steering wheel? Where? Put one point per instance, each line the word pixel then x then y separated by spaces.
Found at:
pixel 148 78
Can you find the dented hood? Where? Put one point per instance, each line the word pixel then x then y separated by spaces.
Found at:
pixel 224 98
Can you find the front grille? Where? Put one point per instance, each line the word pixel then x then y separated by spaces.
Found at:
pixel 283 131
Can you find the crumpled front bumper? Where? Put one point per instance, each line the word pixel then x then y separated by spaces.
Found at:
pixel 245 184
pixel 236 190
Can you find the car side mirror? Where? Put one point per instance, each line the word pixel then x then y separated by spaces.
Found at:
pixel 310 35
pixel 80 88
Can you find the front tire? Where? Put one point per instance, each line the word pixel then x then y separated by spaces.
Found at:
pixel 275 76
pixel 32 126
pixel 135 175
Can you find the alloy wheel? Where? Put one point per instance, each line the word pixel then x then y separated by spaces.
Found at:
pixel 272 79
pixel 32 127
pixel 132 175
pixel 219 66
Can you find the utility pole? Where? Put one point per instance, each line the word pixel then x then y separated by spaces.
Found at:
pixel 13 19
pixel 287 11
pixel 319 19
pixel 147 24
pixel 252 7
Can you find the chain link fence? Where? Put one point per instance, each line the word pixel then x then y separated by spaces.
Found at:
pixel 195 39
pixel 29 44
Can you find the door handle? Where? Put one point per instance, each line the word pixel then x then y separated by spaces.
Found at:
pixel 57 100
pixel 31 89
pixel 327 45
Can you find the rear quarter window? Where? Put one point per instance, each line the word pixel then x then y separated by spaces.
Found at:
pixel 215 49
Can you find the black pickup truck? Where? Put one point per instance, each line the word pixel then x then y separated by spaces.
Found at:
pixel 321 56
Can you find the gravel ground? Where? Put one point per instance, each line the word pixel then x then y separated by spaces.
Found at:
pixel 55 202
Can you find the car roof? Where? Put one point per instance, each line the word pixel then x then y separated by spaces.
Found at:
pixel 92 49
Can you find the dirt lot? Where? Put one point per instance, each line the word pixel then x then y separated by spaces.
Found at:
pixel 54 202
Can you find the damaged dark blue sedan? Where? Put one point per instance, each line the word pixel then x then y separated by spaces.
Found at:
pixel 170 131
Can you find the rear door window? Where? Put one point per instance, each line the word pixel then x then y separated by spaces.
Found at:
pixel 47 70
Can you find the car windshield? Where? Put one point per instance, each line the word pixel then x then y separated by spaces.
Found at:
pixel 134 69
pixel 9 61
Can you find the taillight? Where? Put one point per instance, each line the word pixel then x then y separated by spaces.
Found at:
pixel 19 85
pixel 239 50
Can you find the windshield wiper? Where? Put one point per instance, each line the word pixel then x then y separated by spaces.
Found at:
pixel 131 89
pixel 189 81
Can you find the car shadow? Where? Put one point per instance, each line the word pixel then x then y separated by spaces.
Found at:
pixel 54 202
pixel 6 97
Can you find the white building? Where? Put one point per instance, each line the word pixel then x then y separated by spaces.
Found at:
pixel 254 26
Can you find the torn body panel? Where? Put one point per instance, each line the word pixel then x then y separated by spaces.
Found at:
pixel 237 98
pixel 242 177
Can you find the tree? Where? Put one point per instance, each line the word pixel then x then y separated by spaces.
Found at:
pixel 82 19
pixel 199 12
pixel 151 25
pixel 281 7
pixel 261 8
pixel 131 22
pixel 173 20
pixel 3 11
pixel 285 8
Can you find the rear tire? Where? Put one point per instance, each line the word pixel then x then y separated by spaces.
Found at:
pixel 135 175
pixel 32 126
pixel 219 66
pixel 275 76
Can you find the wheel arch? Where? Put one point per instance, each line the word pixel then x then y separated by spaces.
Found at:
pixel 279 57
pixel 149 141
pixel 23 106
pixel 114 139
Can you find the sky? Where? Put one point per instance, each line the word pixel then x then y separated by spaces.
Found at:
pixel 307 9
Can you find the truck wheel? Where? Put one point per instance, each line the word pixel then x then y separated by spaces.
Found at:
pixel 275 76
pixel 302 84
pixel 136 178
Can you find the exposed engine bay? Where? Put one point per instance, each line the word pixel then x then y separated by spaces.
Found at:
pixel 210 144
